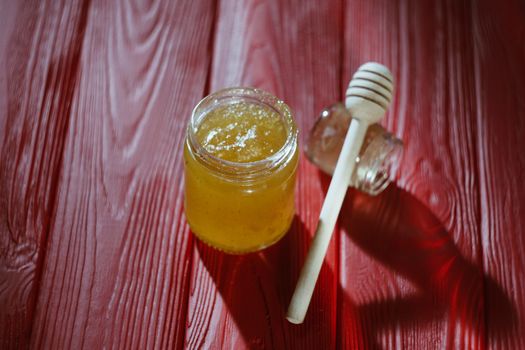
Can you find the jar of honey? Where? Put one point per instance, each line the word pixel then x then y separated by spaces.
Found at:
pixel 240 158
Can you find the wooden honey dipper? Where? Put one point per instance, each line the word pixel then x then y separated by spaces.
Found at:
pixel 367 98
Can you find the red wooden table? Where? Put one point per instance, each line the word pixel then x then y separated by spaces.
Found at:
pixel 94 247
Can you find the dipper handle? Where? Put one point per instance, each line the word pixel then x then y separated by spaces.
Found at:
pixel 367 97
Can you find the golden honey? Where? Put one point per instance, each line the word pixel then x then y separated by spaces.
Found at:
pixel 240 162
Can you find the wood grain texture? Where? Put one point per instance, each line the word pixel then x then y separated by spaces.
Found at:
pixel 499 54
pixel 291 49
pixel 95 251
pixel 115 273
pixel 409 257
pixel 39 71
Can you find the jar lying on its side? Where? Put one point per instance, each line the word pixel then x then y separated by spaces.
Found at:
pixel 378 157
pixel 240 159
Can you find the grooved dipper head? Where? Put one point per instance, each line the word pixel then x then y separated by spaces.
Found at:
pixel 369 92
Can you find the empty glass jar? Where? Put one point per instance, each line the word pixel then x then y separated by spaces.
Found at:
pixel 379 154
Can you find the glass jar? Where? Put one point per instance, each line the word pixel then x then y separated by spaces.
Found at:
pixel 240 207
pixel 377 158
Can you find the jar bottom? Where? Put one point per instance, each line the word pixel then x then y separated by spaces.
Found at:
pixel 231 251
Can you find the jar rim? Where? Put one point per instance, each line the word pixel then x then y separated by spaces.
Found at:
pixel 242 170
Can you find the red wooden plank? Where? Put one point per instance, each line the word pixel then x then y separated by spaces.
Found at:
pixel 292 49
pixel 116 269
pixel 500 114
pixel 99 172
pixel 410 261
pixel 39 49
